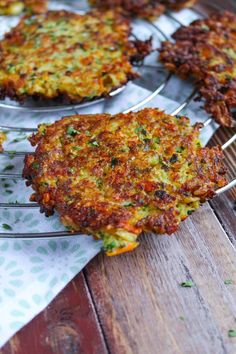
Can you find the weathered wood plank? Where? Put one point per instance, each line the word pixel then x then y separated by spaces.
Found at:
pixel 140 302
pixel 67 326
pixel 224 205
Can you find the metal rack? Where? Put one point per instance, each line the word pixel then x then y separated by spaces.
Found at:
pixel 159 89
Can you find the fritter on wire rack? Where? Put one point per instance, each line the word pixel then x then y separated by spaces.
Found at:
pixel 2 139
pixel 68 56
pixel 177 5
pixel 140 8
pixel 207 50
pixel 143 8
pixel 116 176
pixel 14 7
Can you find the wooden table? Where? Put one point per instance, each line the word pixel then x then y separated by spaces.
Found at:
pixel 134 303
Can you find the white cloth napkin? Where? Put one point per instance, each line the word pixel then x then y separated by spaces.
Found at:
pixel 33 272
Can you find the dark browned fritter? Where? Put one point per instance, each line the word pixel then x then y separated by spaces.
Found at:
pixel 206 49
pixel 14 7
pixel 70 57
pixel 177 5
pixel 116 176
pixel 143 8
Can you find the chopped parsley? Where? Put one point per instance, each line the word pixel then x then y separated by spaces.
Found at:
pixel 99 183
pixel 189 212
pixel 180 149
pixel 8 168
pixel 72 131
pixel 8 191
pixel 174 158
pixel 35 165
pixel 93 143
pixel 187 284
pixel 114 162
pixel 140 130
pixel 17 140
pixel 6 227
pixel 127 204
pixel 77 148
pixel 228 281
pixel 72 170
pixel 232 333
pixel 156 140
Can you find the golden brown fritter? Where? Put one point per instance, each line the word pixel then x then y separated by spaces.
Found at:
pixel 207 50
pixel 67 56
pixel 14 7
pixel 143 8
pixel 116 176
pixel 140 8
pixel 2 139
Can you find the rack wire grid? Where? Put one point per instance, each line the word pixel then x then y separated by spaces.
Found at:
pixel 159 35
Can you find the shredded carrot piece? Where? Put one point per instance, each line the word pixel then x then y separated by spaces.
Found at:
pixel 128 248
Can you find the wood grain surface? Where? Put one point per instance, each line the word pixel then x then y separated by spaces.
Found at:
pixel 69 325
pixel 145 312
pixel 134 303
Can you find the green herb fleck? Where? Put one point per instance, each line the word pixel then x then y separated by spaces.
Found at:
pixel 228 77
pixel 114 162
pixel 205 27
pixel 187 284
pixel 189 212
pixel 72 169
pixel 127 204
pixel 17 140
pixel 156 140
pixel 77 148
pixel 43 184
pixel 174 158
pixel 93 143
pixel 182 318
pixel 228 281
pixel 6 227
pixel 109 246
pixel 99 183
pixel 8 168
pixel 72 131
pixel 35 165
pixel 180 149
pixel 140 130
pixel 8 191
pixel 232 333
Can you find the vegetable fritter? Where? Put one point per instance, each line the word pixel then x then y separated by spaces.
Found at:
pixel 140 8
pixel 177 5
pixel 116 176
pixel 206 49
pixel 69 57
pixel 2 139
pixel 14 7
pixel 143 8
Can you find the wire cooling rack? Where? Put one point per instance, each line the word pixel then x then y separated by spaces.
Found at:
pixel 159 35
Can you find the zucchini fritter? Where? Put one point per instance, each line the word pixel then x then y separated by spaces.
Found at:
pixel 206 49
pixel 14 7
pixel 140 8
pixel 143 8
pixel 116 176
pixel 67 56
pixel 177 5
pixel 2 139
